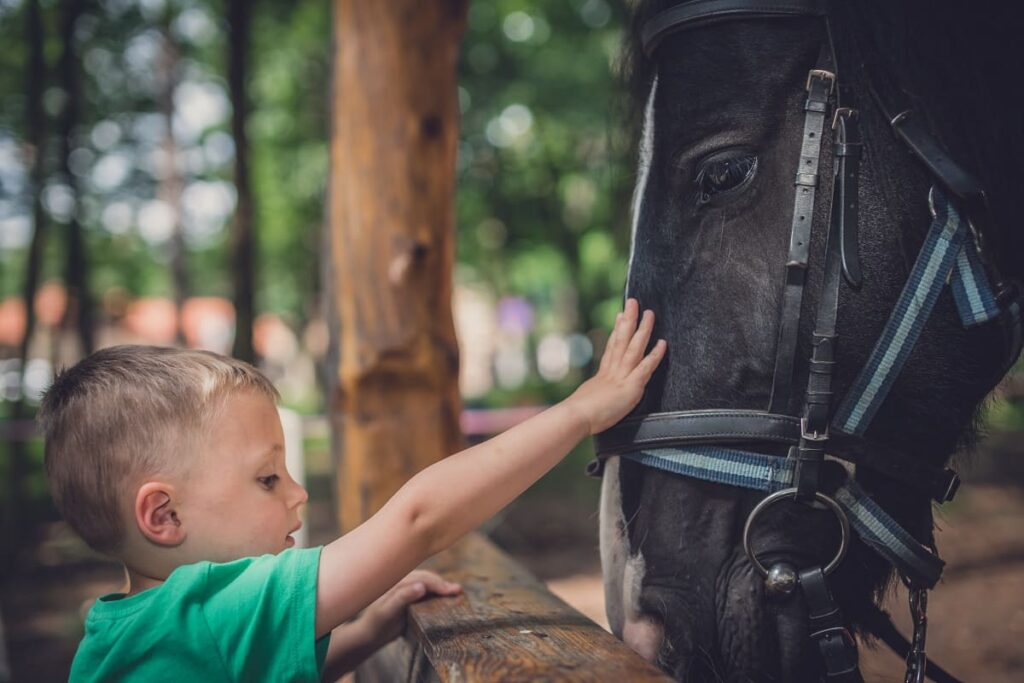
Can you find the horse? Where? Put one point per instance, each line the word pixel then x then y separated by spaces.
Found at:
pixel 797 159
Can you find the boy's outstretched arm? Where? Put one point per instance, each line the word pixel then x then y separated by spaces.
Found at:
pixel 452 497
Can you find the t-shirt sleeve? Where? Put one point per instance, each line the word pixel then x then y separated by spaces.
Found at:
pixel 261 612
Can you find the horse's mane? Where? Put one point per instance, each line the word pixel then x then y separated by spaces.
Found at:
pixel 961 61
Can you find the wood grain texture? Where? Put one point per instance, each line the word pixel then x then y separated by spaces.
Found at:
pixel 505 627
pixel 394 397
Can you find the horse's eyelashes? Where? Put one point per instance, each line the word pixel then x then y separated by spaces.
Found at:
pixel 724 172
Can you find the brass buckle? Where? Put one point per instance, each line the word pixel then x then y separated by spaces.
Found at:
pixel 822 74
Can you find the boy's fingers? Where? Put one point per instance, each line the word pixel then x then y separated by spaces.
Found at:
pixel 616 341
pixel 395 602
pixel 625 324
pixel 630 314
pixel 609 344
pixel 650 362
pixel 638 343
pixel 434 583
pixel 410 593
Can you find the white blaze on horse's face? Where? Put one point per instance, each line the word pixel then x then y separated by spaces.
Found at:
pixel 613 544
pixel 624 574
pixel 646 152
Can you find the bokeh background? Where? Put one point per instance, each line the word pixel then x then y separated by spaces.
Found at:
pixel 118 207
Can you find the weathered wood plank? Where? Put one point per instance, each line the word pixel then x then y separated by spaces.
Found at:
pixel 508 627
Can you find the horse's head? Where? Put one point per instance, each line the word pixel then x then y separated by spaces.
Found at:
pixel 716 219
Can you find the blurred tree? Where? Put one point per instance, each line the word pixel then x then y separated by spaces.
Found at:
pixel 35 78
pixel 243 237
pixel 35 125
pixel 543 183
pixel 171 182
pixel 542 157
pixel 78 313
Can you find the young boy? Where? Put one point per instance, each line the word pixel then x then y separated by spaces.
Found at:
pixel 173 462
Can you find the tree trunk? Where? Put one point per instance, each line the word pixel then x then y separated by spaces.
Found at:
pixel 17 499
pixel 36 130
pixel 243 245
pixel 394 400
pixel 171 182
pixel 79 307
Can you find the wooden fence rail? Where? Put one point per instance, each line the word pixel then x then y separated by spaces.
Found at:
pixel 506 626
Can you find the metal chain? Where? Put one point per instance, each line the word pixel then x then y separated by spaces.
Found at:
pixel 917 661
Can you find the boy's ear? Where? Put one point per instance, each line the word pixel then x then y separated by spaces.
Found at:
pixel 156 516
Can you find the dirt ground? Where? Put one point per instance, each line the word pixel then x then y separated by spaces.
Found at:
pixel 976 616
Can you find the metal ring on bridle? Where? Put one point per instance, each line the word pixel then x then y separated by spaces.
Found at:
pixel 844 526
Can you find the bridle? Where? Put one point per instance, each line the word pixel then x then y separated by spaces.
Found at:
pixel 707 444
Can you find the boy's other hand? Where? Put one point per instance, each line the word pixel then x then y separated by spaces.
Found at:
pixel 609 395
pixel 385 618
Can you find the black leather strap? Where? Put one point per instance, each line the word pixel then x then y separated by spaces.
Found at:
pixel 837 647
pixel 820 83
pixel 699 427
pixel 703 12
pixel 818 397
pixel 689 427
pixel 847 149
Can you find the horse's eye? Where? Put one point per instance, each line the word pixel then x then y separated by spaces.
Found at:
pixel 724 172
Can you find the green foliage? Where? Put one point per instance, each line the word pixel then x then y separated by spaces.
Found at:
pixel 543 180
pixel 543 183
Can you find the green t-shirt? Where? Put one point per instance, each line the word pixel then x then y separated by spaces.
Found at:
pixel 248 620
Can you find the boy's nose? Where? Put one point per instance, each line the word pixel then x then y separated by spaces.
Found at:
pixel 301 495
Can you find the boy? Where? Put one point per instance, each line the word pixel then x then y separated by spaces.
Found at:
pixel 173 462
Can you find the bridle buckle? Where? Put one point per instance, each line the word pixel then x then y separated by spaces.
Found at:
pixel 823 75
pixel 843 112
pixel 807 435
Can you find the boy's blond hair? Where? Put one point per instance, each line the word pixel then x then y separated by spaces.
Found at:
pixel 127 412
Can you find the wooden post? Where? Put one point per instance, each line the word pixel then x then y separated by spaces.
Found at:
pixel 394 399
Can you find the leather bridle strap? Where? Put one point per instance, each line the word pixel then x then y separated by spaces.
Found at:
pixel 828 629
pixel 681 429
pixel 687 427
pixel 820 84
pixel 697 14
pixel 770 473
pixel 814 427
pixel 961 185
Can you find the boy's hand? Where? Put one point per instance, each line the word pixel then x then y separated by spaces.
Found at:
pixel 609 395
pixel 384 620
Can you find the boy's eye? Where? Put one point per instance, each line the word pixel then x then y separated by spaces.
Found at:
pixel 268 481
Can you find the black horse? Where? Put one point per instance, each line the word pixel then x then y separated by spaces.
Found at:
pixel 724 99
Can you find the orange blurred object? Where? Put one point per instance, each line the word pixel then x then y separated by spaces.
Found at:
pixel 12 321
pixel 152 320
pixel 51 302
pixel 208 322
